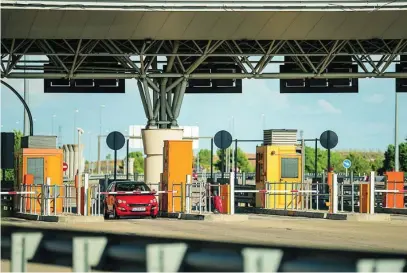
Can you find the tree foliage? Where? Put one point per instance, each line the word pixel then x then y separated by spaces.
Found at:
pixel 388 162
pixel 242 161
pixel 361 162
pixel 204 159
pixel 138 161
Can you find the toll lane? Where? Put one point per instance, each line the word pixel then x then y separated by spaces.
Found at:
pixel 384 236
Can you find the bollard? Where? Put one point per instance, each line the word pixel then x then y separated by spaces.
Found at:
pixel 188 194
pixel 47 196
pixel 55 199
pixel 98 200
pixel 334 194
pixel 372 193
pixel 21 199
pixel 232 193
pixel 85 193
pixel 352 192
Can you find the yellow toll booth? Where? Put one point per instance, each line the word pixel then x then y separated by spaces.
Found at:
pixel 278 169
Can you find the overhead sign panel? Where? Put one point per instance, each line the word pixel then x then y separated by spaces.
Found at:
pixel 401 83
pixel 315 85
pixel 100 85
pixel 214 65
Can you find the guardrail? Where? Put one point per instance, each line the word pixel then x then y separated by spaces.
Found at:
pixel 86 251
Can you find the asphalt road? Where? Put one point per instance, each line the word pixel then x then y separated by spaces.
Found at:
pixel 390 236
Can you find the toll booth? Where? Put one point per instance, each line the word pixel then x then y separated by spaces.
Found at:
pixel 278 169
pixel 37 160
pixel 178 159
pixel 394 182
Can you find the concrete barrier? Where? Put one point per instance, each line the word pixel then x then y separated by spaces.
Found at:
pixel 60 218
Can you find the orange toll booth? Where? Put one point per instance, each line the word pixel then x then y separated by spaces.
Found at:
pixel 394 182
pixel 35 167
pixel 178 158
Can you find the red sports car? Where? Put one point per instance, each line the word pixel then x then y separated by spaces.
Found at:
pixel 129 198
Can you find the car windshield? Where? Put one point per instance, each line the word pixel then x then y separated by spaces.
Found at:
pixel 132 186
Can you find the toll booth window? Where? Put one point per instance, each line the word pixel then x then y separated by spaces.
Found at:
pixel 35 166
pixel 289 168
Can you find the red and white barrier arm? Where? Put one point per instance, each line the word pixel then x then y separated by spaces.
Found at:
pixel 133 192
pixel 391 191
pixel 250 191
pixel 16 192
pixel 276 191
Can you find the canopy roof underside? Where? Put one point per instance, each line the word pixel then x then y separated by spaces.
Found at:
pixel 202 25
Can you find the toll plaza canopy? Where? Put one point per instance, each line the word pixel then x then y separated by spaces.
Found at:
pixel 204 20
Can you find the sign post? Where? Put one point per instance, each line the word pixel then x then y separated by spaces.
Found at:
pixel 223 140
pixel 115 141
pixel 346 164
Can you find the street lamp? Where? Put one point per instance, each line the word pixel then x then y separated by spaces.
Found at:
pixel 80 132
pixel 74 124
pixel 100 118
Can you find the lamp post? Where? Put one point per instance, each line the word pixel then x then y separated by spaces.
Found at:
pixel 79 206
pixel 74 124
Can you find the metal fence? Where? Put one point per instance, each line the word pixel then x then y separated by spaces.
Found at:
pixel 86 251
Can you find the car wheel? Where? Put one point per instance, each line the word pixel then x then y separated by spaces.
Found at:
pixel 153 216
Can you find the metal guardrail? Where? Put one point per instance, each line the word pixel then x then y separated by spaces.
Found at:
pixel 86 251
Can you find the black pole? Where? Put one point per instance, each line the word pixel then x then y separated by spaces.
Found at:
pixel 222 162
pixel 329 151
pixel 115 163
pixel 316 160
pixel 25 106
pixel 127 159
pixel 235 162
pixel 115 157
pixel 212 160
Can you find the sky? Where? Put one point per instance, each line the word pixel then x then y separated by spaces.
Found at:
pixel 362 121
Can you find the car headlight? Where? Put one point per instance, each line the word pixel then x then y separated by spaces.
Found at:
pixel 153 201
pixel 121 201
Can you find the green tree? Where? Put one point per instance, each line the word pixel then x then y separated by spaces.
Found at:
pixel 109 157
pixel 388 162
pixel 242 161
pixel 360 164
pixel 138 161
pixel 204 158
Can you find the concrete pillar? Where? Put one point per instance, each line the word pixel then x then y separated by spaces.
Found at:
pixel 131 166
pixel 76 158
pixel 153 142
pixel 71 162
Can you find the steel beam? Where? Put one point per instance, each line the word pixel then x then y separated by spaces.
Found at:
pixel 275 76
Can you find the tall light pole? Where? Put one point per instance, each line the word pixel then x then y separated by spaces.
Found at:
pixel 396 141
pixel 74 124
pixel 100 118
pixel 52 124
pixel 26 129
pixel 90 153
pixel 100 135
